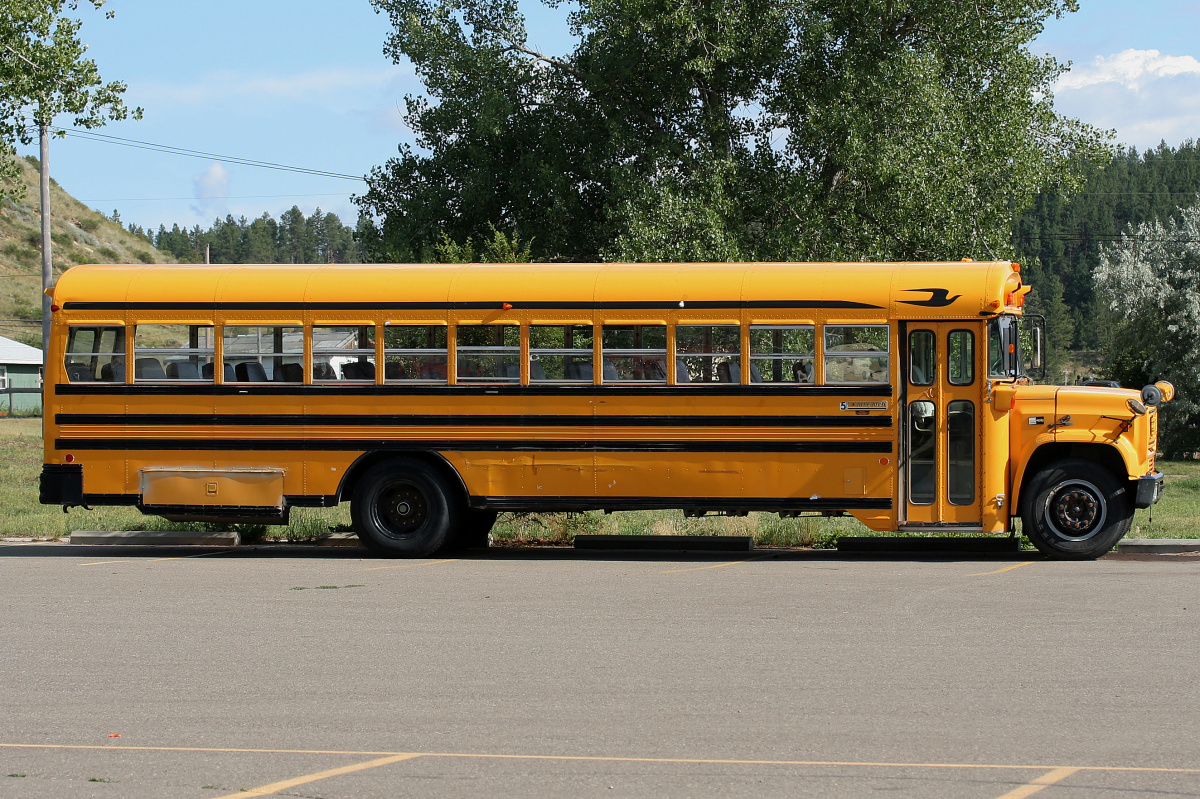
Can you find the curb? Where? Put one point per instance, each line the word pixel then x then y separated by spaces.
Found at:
pixel 154 538
pixel 338 540
pixel 1160 545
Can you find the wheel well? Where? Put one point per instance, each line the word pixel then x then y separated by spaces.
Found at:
pixel 1106 456
pixel 367 460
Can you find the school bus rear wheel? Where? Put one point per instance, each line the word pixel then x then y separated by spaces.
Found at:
pixel 403 508
pixel 1077 510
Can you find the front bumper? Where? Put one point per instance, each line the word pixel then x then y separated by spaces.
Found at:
pixel 1149 490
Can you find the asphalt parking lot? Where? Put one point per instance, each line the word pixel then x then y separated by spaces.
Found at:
pixel 321 673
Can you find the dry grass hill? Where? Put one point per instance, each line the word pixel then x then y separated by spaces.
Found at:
pixel 80 236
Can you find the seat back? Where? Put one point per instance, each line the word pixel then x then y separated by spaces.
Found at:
pixel 148 369
pixel 250 372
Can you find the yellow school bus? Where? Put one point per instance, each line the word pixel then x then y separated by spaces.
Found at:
pixel 432 397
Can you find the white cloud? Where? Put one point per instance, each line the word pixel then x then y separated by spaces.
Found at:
pixel 226 85
pixel 211 189
pixel 1132 69
pixel 1146 96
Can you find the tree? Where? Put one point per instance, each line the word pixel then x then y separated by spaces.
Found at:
pixel 43 73
pixel 715 129
pixel 1149 280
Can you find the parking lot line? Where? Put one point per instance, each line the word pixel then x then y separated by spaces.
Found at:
pixel 1042 782
pixel 409 565
pixel 155 560
pixel 717 565
pixel 283 785
pixel 1005 569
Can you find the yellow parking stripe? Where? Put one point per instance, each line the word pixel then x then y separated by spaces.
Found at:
pixel 408 565
pixel 1005 569
pixel 1041 783
pixel 275 787
pixel 717 565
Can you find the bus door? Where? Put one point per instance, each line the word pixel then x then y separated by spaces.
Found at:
pixel 940 441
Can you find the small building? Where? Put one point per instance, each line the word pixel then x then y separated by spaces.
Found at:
pixel 20 378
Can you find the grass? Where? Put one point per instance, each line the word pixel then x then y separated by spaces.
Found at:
pixel 21 461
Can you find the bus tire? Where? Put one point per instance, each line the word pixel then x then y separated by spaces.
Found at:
pixel 1077 510
pixel 473 528
pixel 402 508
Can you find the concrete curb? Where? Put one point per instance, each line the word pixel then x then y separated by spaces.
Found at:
pixel 1160 545
pixel 338 540
pixel 154 538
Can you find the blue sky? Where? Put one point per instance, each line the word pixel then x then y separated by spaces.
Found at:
pixel 305 83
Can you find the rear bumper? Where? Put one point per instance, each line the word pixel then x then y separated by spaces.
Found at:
pixel 1149 490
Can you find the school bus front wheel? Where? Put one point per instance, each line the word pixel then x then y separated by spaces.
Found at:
pixel 1078 510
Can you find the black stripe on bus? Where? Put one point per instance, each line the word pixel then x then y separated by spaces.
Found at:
pixel 597 503
pixel 473 420
pixel 586 390
pixel 632 305
pixel 509 503
pixel 356 445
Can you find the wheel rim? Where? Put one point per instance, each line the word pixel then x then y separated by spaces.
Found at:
pixel 400 510
pixel 1075 510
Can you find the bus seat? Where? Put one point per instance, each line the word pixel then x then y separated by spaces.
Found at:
pixel 610 371
pixel 536 372
pixel 681 372
pixel 148 369
pixel 755 375
pixel 250 372
pixel 113 372
pixel 182 370
pixel 579 370
pixel 292 373
pixel 323 371
pixel 394 370
pixel 358 370
pixel 510 370
pixel 728 372
pixel 79 373
pixel 802 372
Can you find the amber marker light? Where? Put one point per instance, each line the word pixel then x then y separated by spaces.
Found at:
pixel 506 306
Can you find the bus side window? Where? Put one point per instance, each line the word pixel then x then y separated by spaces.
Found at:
pixel 261 353
pixel 708 354
pixel 345 352
pixel 560 353
pixel 857 353
pixel 634 353
pixel 414 353
pixel 782 354
pixel 167 353
pixel 922 357
pixel 488 353
pixel 95 354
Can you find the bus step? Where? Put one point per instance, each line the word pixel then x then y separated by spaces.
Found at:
pixel 674 543
pixel 884 543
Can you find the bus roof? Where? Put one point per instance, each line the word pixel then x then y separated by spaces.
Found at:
pixel 953 290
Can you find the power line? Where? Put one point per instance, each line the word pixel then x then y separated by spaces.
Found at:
pixel 170 150
pixel 196 199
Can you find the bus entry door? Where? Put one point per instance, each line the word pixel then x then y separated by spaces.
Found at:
pixel 940 483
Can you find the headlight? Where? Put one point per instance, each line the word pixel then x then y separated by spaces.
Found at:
pixel 1136 406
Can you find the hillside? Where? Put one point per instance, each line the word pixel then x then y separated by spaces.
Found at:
pixel 80 236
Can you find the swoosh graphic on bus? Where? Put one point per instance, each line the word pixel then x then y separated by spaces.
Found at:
pixel 472 420
pixel 938 298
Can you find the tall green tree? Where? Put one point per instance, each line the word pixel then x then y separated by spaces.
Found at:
pixel 1149 283
pixel 44 73
pixel 715 129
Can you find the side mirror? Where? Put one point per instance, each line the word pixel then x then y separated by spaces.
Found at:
pixel 1035 354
